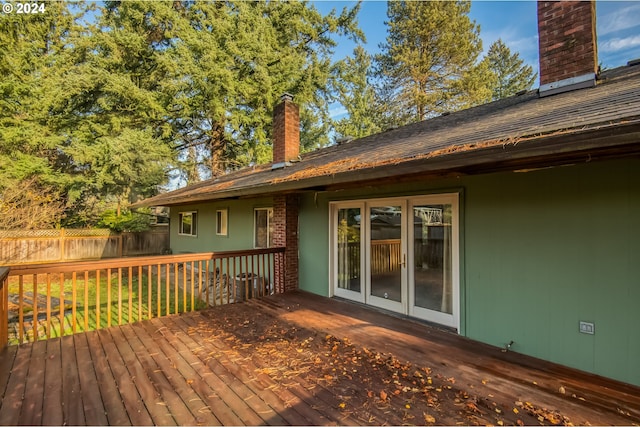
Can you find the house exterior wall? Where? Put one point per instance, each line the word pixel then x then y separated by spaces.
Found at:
pixel 240 226
pixel 541 251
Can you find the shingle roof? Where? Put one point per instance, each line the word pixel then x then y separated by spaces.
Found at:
pixel 519 127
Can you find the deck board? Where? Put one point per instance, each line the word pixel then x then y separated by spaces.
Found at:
pixel 179 370
pixel 277 398
pixel 93 407
pixel 52 385
pixel 32 410
pixel 231 390
pixel 12 401
pixel 180 375
pixel 167 401
pixel 135 407
pixel 148 394
pixel 72 396
pixel 114 408
pixel 210 385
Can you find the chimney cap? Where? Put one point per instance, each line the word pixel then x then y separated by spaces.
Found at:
pixel 286 97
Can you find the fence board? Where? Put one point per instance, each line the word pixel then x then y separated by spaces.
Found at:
pixel 60 245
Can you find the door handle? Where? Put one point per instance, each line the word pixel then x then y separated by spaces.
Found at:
pixel 404 260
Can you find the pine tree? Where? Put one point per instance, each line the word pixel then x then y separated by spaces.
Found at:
pixel 428 63
pixel 105 108
pixel 32 155
pixel 110 104
pixel 30 47
pixel 236 59
pixel 357 95
pixel 511 74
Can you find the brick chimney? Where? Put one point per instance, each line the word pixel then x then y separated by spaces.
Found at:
pixel 567 42
pixel 286 147
pixel 286 130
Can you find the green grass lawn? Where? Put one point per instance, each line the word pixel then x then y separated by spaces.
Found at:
pixel 108 306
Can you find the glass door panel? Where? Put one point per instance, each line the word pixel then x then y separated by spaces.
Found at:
pixel 385 252
pixel 433 281
pixel 432 257
pixel 349 249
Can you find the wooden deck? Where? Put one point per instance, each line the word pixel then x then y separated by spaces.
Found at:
pixel 179 370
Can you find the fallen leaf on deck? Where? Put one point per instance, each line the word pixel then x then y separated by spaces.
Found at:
pixel 429 418
pixel 383 395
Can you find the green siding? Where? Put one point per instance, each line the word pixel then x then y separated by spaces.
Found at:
pixel 240 226
pixel 542 251
pixel 548 249
pixel 313 244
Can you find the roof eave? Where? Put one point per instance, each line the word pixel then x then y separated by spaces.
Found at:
pixel 614 140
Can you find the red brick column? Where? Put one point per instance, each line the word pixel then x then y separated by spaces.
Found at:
pixel 285 233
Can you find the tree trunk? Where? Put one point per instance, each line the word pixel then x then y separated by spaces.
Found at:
pixel 217 143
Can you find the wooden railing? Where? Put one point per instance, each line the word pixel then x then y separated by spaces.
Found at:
pixel 51 300
pixel 4 307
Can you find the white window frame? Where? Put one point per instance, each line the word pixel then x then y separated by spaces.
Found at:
pixel 222 222
pixel 181 215
pixel 255 226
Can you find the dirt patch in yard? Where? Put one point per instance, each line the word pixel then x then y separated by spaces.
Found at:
pixel 365 385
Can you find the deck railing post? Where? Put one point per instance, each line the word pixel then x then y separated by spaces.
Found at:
pixel 4 307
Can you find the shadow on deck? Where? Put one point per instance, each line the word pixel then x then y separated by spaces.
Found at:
pixel 221 366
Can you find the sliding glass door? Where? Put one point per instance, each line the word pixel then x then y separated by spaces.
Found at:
pixel 400 254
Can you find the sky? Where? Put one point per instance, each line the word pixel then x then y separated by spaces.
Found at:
pixel 515 22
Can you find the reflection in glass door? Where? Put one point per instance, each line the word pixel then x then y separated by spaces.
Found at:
pixel 386 255
pixel 349 249
pixel 433 287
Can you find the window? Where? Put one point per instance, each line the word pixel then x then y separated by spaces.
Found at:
pixel 188 223
pixel 221 222
pixel 263 228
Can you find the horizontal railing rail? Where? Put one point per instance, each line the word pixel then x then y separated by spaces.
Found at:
pixel 51 300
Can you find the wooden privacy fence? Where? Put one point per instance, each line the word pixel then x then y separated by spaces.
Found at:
pixel 51 300
pixel 386 256
pixel 60 245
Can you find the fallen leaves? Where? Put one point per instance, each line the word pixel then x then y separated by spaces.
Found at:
pixel 429 419
pixel 371 387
